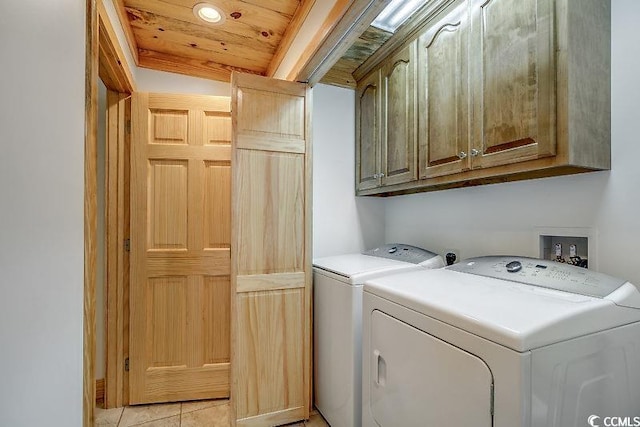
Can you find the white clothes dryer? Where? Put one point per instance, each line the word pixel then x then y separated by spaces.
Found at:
pixel 337 282
pixel 500 342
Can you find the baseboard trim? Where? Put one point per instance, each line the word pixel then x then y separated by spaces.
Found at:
pixel 100 390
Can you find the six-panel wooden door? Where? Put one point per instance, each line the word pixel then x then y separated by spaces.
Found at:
pixel 271 251
pixel 180 248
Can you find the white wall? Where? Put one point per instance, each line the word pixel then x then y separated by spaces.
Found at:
pixel 41 212
pixel 161 82
pixel 501 218
pixel 342 223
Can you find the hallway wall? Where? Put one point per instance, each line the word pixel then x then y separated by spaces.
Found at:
pixel 42 111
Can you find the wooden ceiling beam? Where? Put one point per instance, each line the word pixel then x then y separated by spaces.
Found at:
pixel 128 31
pixel 188 66
pixel 290 34
pixel 114 69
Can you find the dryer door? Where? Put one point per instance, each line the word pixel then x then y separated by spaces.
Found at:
pixel 420 380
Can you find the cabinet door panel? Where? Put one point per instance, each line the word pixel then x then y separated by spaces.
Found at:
pixel 368 132
pixel 513 79
pixel 443 91
pixel 398 129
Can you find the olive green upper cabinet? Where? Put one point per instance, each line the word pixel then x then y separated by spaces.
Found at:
pixel 368 132
pixel 399 159
pixel 443 94
pixel 513 71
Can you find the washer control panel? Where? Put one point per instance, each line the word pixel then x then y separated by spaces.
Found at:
pixel 401 252
pixel 541 273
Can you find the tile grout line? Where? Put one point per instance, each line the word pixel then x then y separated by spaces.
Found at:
pixel 180 414
pixel 150 421
pixel 120 417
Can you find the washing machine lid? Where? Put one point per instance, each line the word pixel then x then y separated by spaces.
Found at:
pixel 385 259
pixel 516 314
pixel 356 268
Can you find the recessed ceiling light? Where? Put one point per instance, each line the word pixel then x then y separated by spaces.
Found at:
pixel 396 13
pixel 209 13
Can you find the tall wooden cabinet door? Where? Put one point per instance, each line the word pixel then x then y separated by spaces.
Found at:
pixel 180 248
pixel 398 157
pixel 513 78
pixel 271 251
pixel 368 121
pixel 443 95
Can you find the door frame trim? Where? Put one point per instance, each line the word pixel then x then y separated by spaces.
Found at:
pixel 95 51
pixel 116 283
pixel 90 214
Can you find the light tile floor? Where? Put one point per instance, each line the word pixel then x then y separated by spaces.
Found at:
pixel 209 413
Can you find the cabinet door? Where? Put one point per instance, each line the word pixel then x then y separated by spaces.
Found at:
pixel 513 75
pixel 368 132
pixel 270 251
pixel 398 125
pixel 443 95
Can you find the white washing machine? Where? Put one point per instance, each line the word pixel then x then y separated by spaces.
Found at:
pixel 337 325
pixel 500 342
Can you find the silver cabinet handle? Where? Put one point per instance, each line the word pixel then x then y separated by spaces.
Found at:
pixel 474 152
pixel 381 175
pixel 376 176
pixel 462 155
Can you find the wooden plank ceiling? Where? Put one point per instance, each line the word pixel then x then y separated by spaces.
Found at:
pixel 341 74
pixel 166 35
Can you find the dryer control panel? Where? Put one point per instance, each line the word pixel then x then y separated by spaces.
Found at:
pixel 542 273
pixel 401 252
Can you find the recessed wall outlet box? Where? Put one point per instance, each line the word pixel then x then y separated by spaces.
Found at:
pixel 570 245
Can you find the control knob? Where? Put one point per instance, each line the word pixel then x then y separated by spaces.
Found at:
pixel 514 266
